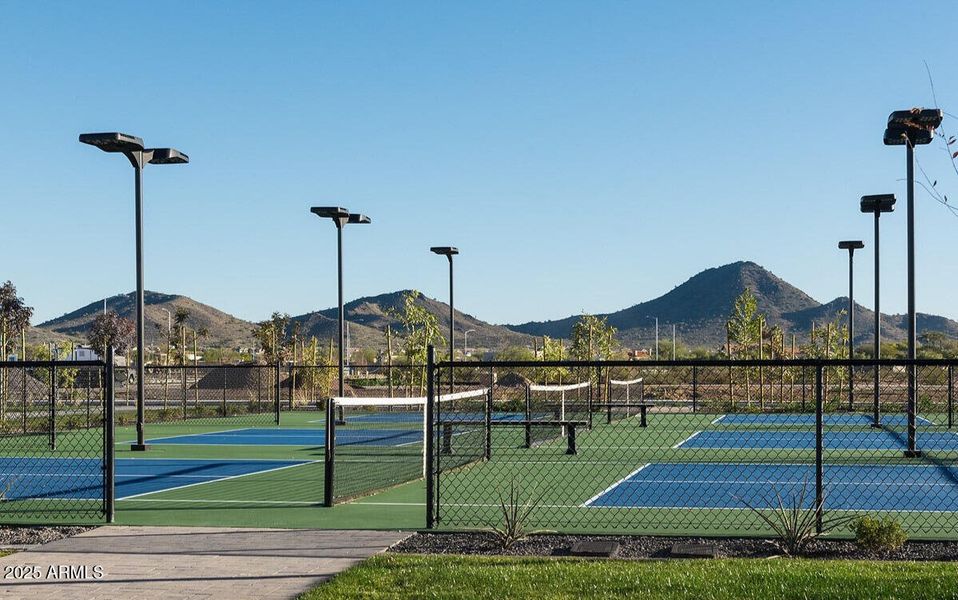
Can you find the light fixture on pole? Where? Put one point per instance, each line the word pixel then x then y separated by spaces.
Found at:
pixel 449 252
pixel 877 204
pixel 910 128
pixel 851 246
pixel 139 156
pixel 340 218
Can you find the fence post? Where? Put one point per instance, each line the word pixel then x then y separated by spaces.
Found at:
pixel 819 447
pixel 951 395
pixel 292 385
pixel 24 397
pixel 183 377
pixel 430 399
pixel 695 386
pixel 595 396
pixel 109 467
pixel 53 405
pixel 528 426
pixel 223 408
pixel 278 390
pixel 330 454
pixel 489 414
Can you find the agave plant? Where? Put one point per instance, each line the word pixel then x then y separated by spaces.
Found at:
pixel 515 514
pixel 794 524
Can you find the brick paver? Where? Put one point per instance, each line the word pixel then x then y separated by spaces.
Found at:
pixel 186 563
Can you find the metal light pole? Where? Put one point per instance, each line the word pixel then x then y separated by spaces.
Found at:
pixel 340 217
pixel 851 246
pixel 465 341
pixel 449 252
pixel 911 128
pixel 656 335
pixel 132 147
pixel 877 204
pixel 673 341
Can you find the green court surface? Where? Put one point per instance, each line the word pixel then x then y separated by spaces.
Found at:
pixel 289 497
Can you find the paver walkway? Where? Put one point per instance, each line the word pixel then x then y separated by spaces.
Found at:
pixel 187 563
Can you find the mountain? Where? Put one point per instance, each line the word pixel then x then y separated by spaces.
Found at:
pixel 700 308
pixel 225 330
pixel 368 317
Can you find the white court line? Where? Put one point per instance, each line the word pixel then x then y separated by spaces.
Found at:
pixel 268 502
pixel 180 487
pixel 717 419
pixel 614 485
pixel 171 437
pixel 686 440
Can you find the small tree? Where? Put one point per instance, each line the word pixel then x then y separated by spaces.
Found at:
pixel 110 330
pixel 745 327
pixel 272 337
pixel 421 329
pixel 14 319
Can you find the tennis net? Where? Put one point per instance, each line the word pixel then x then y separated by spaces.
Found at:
pixel 623 398
pixel 549 406
pixel 379 441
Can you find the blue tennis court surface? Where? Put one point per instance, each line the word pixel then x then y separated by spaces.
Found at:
pixel 82 479
pixel 732 485
pixel 869 439
pixel 808 420
pixel 296 437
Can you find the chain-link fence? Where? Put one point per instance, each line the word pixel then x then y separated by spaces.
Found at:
pixel 697 447
pixel 53 463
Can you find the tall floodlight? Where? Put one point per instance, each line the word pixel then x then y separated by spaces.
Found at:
pixel 132 147
pixel 910 128
pixel 449 252
pixel 340 218
pixel 851 246
pixel 877 204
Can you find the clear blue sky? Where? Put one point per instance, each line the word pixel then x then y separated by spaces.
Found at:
pixel 584 156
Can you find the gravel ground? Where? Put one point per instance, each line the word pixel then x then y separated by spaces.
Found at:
pixel 633 546
pixel 23 536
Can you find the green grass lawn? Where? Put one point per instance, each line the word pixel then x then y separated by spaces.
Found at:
pixel 455 577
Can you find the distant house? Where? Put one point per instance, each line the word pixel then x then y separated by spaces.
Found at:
pixel 639 354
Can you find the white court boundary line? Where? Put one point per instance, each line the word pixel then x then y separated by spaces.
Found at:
pixel 686 440
pixel 613 486
pixel 173 437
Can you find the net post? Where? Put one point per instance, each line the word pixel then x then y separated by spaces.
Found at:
pixel 571 449
pixel 695 386
pixel 279 391
pixel 53 405
pixel 488 415
pixel 528 425
pixel 819 445
pixel 429 438
pixel 109 433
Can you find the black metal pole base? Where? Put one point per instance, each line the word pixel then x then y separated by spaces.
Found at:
pixel 875 425
pixel 139 447
pixel 913 453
